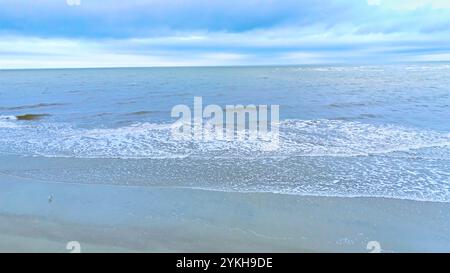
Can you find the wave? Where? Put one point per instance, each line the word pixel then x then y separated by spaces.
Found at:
pixel 315 157
pixel 32 106
pixel 428 67
pixel 8 117
pixel 31 116
pixel 375 176
pixel 340 138
pixel 372 68
pixel 145 113
pixel 4 122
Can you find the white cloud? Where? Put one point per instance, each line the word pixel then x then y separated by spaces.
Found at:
pixel 413 4
pixel 373 2
pixel 288 45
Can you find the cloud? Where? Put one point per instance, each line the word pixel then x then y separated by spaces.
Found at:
pixel 139 18
pixel 50 33
pixel 413 4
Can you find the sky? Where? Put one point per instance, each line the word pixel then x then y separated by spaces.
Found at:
pixel 146 33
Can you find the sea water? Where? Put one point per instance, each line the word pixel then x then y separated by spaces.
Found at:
pixel 380 131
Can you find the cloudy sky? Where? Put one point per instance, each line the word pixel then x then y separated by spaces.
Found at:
pixel 118 33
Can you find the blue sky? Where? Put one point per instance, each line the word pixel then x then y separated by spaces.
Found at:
pixel 111 33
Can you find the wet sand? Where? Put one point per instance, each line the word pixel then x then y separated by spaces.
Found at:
pixel 38 216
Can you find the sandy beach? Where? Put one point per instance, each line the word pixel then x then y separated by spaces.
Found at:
pixel 144 219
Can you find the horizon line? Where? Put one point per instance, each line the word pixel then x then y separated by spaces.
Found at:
pixel 226 66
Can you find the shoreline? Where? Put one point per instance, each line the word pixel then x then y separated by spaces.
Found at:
pixel 106 172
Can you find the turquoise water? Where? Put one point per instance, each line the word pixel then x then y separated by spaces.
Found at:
pixel 347 131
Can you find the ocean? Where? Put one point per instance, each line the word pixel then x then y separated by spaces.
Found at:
pixel 370 138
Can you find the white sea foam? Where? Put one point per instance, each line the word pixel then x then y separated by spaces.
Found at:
pixel 316 157
pixel 150 140
pixel 5 121
pixel 428 67
pixel 374 176
pixel 348 69
pixel 8 117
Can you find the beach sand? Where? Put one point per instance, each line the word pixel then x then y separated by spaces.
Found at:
pixel 36 216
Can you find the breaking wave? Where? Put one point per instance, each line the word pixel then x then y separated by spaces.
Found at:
pixel 154 140
pixel 315 157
